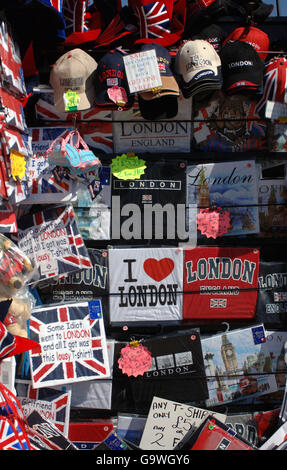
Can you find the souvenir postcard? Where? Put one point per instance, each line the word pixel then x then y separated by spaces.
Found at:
pixel 230 186
pixel 272 197
pixel 242 363
pixel 93 204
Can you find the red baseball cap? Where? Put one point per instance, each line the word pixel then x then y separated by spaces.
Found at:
pixel 252 35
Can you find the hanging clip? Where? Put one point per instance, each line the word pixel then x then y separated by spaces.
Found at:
pixel 227 326
pixel 74 119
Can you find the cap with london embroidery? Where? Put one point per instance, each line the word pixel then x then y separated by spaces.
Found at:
pixel 198 67
pixel 111 84
pixel 242 68
pixel 72 78
pixel 253 36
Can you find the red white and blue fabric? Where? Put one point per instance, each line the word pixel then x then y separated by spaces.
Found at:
pixel 8 220
pixel 19 141
pixel 74 12
pixel 76 260
pixel 7 342
pixel 58 400
pixel 11 66
pixel 60 372
pixel 275 82
pixel 14 115
pixel 13 434
pixel 154 18
pixel 161 22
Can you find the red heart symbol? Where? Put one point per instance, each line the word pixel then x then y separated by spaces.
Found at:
pixel 158 269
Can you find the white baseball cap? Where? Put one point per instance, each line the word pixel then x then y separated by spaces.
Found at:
pixel 197 59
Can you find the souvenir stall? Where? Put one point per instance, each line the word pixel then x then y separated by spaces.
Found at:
pixel 143 223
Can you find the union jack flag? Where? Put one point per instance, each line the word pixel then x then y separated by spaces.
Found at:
pixel 51 370
pixel 94 125
pixel 8 220
pixel 74 12
pixel 275 82
pixel 11 66
pixel 12 422
pixel 7 342
pixel 59 405
pixel 12 436
pixel 218 303
pixel 19 141
pixel 154 19
pixel 75 255
pixel 14 113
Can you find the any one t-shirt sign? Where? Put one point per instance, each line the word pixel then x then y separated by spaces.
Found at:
pixel 145 284
pixel 220 282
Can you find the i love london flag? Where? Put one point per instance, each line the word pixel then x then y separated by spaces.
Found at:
pixel 145 284
pixel 73 342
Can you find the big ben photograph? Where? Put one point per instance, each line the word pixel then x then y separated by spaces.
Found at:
pixel 241 356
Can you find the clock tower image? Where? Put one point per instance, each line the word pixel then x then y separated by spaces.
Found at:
pixel 203 190
pixel 228 355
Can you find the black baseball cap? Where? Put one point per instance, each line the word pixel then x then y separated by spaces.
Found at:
pixel 242 69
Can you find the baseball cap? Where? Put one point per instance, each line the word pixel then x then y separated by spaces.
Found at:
pixel 253 36
pixel 73 73
pixel 161 104
pixel 212 33
pixel 242 68
pixel 198 67
pixel 111 84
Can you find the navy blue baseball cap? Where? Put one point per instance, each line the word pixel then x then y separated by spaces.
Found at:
pixel 111 84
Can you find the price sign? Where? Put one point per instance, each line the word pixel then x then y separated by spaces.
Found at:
pixel 169 421
pixel 213 223
pixel 142 71
pixel 135 359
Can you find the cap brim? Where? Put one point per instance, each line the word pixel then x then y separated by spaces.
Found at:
pixel 163 107
pixel 86 100
pixel 169 87
pixel 197 75
pixel 239 82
